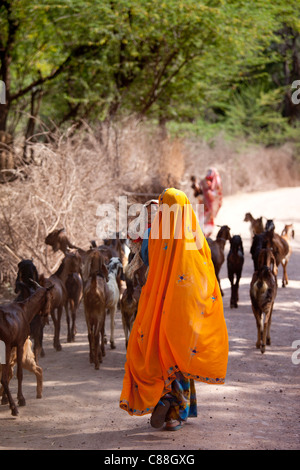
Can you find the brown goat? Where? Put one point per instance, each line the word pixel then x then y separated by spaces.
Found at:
pixel 28 363
pixel 95 311
pixel 256 226
pixel 217 249
pixel 263 290
pixel 117 245
pixel 94 299
pixel 287 234
pixel 74 288
pixel 27 273
pixel 94 263
pixel 69 265
pixel 129 306
pixel 15 319
pixel 278 244
pixel 59 241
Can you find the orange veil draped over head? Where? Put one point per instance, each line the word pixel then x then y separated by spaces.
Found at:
pixel 180 323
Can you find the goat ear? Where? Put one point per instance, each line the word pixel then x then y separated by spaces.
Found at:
pixel 293 233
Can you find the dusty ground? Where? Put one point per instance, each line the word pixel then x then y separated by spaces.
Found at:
pixel 257 408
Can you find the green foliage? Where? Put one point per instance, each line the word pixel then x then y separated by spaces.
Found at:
pixel 208 61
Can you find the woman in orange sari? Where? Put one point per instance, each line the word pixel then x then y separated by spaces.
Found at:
pixel 179 334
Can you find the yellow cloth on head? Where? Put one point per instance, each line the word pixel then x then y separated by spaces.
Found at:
pixel 180 323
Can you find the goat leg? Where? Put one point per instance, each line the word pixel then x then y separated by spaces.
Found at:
pixel 112 312
pixel 222 293
pixel 234 296
pixel 21 399
pixel 57 322
pixel 269 327
pixel 284 276
pixel 102 341
pixel 39 381
pixel 238 278
pixel 97 352
pixel 71 326
pixel 259 333
pixel 263 329
pixel 4 399
pixel 69 336
pixel 5 382
pixel 90 338
pixel 126 330
pixel 32 366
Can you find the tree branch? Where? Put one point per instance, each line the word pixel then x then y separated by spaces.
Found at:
pixel 41 80
pixel 77 52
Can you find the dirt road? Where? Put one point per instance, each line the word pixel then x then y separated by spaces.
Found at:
pixel 257 408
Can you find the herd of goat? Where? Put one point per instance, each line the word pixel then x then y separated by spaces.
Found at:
pixel 95 277
pixel 268 251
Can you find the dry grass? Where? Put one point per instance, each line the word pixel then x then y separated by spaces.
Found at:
pixel 71 176
pixel 243 167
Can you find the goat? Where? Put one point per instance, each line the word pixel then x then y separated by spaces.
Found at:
pixel 136 268
pixel 263 290
pixel 94 309
pixel 129 306
pixel 94 298
pixel 256 225
pixel 70 264
pixel 15 319
pixel 28 363
pixel 118 245
pixel 258 243
pixel 74 290
pixel 27 278
pixel 279 245
pixel 235 262
pixel 94 263
pixel 287 234
pixel 112 293
pixel 59 241
pixel 217 250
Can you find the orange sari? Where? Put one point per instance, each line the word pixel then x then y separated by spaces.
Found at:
pixel 180 324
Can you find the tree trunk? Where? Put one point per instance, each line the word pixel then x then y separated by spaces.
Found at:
pixel 4 108
pixel 34 110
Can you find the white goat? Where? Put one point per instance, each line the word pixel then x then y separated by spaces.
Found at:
pixel 112 294
pixel 28 363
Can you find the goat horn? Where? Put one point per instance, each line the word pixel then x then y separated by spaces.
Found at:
pixel 35 283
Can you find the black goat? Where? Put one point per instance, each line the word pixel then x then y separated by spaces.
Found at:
pixel 25 286
pixel 235 262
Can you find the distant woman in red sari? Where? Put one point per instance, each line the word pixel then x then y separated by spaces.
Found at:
pixel 210 194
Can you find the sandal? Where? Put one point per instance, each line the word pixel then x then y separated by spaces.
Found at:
pixel 174 425
pixel 159 413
